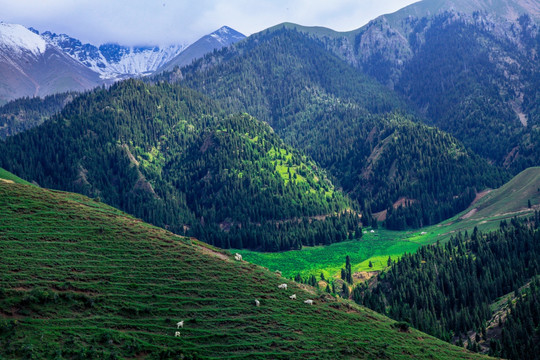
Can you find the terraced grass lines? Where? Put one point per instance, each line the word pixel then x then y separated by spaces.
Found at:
pixel 79 279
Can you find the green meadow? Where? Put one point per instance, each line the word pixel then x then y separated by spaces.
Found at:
pixel 375 247
pixel 512 199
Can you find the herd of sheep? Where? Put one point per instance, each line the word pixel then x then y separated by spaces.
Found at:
pixel 238 257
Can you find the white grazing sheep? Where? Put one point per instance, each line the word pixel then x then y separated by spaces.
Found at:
pixel 180 324
pixel 238 257
pixel 293 296
pixel 177 334
pixel 309 301
pixel 257 303
pixel 372 231
pixel 282 286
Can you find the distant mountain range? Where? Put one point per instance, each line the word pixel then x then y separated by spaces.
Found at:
pixel 40 64
pixel 113 61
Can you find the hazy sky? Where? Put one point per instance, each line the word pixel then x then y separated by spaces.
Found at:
pixel 162 22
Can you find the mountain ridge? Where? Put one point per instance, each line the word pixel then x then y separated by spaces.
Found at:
pixel 216 40
pixel 114 61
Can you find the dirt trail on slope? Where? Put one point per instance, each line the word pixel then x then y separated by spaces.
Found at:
pixel 214 253
pixel 481 195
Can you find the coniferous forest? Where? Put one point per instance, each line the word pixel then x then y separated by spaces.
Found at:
pixel 25 113
pixel 446 290
pixel 368 138
pixel 226 179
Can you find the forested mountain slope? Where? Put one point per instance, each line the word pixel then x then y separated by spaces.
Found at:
pixel 170 156
pixel 83 280
pixel 25 113
pixel 471 68
pixel 447 290
pixel 475 84
pixel 356 128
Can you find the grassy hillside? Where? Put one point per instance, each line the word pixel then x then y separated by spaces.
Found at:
pixel 80 279
pixel 6 176
pixel 509 200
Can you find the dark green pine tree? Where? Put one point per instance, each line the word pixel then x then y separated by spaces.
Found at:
pixel 348 270
pixel 345 292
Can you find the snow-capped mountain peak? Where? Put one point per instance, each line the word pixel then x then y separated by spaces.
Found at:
pixel 20 39
pixel 227 36
pixel 224 36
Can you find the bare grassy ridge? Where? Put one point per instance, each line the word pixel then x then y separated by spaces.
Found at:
pixel 79 279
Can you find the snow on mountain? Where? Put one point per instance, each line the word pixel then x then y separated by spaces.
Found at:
pixel 20 39
pixel 225 36
pixel 112 61
pixel 29 66
pixel 139 60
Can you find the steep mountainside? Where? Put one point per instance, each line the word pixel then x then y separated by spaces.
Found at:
pixel 170 156
pixel 509 10
pixel 472 83
pixel 31 67
pixel 220 38
pixel 348 123
pixel 470 67
pixel 81 279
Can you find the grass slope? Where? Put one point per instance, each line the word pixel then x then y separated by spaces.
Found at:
pixel 500 204
pixel 6 176
pixel 510 199
pixel 79 279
